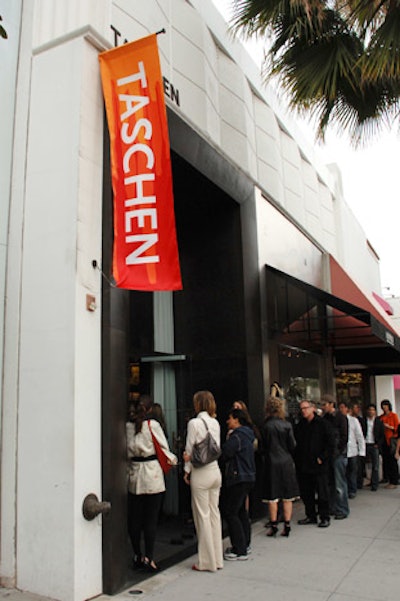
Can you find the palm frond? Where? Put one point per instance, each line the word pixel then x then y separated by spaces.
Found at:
pixel 339 60
pixel 384 49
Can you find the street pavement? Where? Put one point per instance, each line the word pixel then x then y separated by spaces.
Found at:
pixel 355 558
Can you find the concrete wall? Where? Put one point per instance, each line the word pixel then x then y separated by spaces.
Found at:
pixel 362 264
pixel 222 95
pixel 385 390
pixel 285 167
pixel 51 413
pixel 283 246
pixel 11 13
pixel 58 552
pixel 16 73
pixel 61 383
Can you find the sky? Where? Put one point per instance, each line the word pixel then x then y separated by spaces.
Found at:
pixel 370 184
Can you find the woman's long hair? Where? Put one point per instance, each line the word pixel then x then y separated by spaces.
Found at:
pixel 157 413
pixel 139 412
pixel 243 407
pixel 203 400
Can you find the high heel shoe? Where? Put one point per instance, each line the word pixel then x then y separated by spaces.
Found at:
pixel 286 529
pixel 150 566
pixel 273 529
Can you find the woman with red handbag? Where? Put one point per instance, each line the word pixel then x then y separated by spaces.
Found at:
pixel 146 442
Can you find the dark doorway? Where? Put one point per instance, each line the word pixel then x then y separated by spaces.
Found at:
pixel 209 353
pixel 209 311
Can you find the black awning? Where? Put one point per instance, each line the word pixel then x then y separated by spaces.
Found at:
pixel 306 316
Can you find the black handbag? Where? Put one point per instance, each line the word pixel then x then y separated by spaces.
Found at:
pixel 205 451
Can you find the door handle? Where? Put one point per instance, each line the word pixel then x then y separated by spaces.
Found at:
pixel 92 507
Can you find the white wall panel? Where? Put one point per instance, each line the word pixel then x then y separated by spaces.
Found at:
pixel 58 552
pixel 384 390
pixel 294 206
pixel 283 246
pixel 55 18
pixel 250 129
pixel 269 179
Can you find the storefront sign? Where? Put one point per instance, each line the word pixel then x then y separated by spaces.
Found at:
pixel 145 253
pixel 169 89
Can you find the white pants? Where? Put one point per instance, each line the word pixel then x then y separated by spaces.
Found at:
pixel 205 484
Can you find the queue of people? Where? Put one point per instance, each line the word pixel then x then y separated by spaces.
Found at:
pixel 322 459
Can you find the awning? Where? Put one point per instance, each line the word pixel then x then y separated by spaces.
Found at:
pixel 303 315
pixel 343 286
pixel 387 307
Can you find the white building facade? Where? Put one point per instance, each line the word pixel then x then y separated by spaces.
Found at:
pixel 288 212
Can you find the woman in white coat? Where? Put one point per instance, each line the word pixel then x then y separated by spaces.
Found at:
pixel 146 483
pixel 205 485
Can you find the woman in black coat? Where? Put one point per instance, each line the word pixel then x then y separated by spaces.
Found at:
pixel 279 470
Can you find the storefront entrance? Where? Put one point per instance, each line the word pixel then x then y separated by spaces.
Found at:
pixel 169 345
pixel 353 387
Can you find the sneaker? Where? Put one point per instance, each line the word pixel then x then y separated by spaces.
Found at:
pixel 234 557
pixel 230 550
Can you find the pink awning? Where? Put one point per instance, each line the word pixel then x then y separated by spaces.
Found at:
pixel 396 382
pixel 383 303
pixel 343 286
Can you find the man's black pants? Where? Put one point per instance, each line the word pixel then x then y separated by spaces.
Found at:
pixel 314 491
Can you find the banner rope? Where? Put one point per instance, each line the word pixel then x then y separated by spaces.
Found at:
pixel 97 266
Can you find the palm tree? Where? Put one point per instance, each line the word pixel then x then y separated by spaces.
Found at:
pixel 338 60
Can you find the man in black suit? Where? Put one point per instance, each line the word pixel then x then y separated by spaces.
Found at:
pixel 373 431
pixel 312 453
pixel 339 426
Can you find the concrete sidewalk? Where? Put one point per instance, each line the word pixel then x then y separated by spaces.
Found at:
pixel 356 558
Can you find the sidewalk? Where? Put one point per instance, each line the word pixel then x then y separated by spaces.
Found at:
pixel 356 558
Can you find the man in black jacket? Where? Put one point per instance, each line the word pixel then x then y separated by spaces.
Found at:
pixel 339 502
pixel 374 434
pixel 314 447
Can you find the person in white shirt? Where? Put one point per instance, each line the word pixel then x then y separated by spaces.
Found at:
pixel 355 449
pixel 146 484
pixel 374 433
pixel 205 484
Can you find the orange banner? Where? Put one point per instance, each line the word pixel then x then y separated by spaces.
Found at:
pixel 145 255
